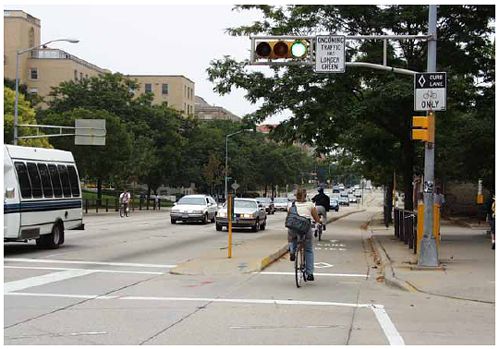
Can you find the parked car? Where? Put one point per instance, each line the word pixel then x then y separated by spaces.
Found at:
pixel 268 203
pixel 334 204
pixel 194 208
pixel 344 201
pixel 281 204
pixel 249 213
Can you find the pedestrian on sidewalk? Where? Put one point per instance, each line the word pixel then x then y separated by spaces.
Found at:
pixel 491 217
pixel 308 210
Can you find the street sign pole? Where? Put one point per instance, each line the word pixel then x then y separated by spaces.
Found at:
pixel 428 256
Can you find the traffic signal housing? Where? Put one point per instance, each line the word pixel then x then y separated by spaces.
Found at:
pixel 282 49
pixel 423 128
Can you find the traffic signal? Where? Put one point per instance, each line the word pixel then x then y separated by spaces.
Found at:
pixel 275 49
pixel 423 128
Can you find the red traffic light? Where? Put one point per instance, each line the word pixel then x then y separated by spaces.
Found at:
pixel 281 49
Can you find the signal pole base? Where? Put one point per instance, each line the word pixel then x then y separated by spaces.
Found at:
pixel 428 257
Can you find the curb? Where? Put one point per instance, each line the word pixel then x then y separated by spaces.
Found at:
pixel 387 269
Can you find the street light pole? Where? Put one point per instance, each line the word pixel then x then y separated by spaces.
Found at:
pixel 227 155
pixel 16 100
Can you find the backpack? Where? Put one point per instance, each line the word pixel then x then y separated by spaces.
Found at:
pixel 297 223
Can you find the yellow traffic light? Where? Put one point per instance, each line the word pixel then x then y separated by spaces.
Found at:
pixel 423 128
pixel 275 49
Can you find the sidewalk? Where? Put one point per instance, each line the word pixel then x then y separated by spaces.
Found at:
pixel 467 263
pixel 247 256
pixel 112 212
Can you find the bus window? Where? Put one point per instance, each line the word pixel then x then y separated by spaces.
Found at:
pixel 73 180
pixel 46 184
pixel 66 188
pixel 34 177
pixel 56 180
pixel 24 183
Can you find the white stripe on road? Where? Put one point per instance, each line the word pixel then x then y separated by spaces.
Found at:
pixel 386 324
pixel 61 261
pixel 316 274
pixel 192 299
pixel 94 270
pixel 43 279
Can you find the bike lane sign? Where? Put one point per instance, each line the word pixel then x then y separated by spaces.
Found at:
pixel 430 91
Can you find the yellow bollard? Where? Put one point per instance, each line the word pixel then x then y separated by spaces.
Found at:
pixel 229 223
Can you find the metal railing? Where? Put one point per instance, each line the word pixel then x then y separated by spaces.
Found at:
pixel 106 205
pixel 405 225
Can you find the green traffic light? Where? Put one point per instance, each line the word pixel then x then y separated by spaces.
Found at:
pixel 298 49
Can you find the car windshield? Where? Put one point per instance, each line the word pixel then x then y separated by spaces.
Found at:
pixel 263 199
pixel 192 201
pixel 281 200
pixel 244 204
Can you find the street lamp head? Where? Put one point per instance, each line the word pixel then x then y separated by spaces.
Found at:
pixel 73 41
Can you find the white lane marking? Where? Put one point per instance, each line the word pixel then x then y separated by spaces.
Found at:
pixel 387 325
pixel 58 295
pixel 61 261
pixel 323 265
pixel 189 299
pixel 94 270
pixel 43 279
pixel 317 274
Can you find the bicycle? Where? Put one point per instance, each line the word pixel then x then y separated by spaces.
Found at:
pixel 300 273
pixel 318 229
pixel 124 210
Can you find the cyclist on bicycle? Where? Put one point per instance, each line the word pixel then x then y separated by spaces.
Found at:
pixel 125 199
pixel 305 209
pixel 322 204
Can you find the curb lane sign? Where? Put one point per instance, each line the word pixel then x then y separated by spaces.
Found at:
pixel 330 54
pixel 430 91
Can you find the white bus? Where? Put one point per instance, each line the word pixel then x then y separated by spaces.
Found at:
pixel 42 195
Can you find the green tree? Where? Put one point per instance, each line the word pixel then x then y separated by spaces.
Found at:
pixel 336 112
pixel 26 115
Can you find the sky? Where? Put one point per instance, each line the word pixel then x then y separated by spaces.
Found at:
pixel 152 39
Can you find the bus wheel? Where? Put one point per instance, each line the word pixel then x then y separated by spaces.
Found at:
pixel 52 240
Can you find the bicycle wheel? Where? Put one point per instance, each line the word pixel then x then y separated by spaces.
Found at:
pixel 320 232
pixel 299 258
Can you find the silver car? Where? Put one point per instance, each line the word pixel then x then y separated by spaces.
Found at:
pixel 192 208
pixel 248 214
pixel 281 204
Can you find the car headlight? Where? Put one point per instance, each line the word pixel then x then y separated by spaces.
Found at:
pixel 197 211
pixel 222 214
pixel 248 215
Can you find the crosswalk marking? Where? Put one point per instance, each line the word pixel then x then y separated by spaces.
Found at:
pixel 94 270
pixel 61 261
pixel 43 280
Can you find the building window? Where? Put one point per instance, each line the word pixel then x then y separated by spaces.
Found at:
pixel 81 76
pixel 148 88
pixel 164 89
pixel 76 75
pixel 33 73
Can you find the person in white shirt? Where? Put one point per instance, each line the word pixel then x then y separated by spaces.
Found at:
pixel 305 209
pixel 125 199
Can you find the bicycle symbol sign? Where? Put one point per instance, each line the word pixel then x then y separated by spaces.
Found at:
pixel 430 91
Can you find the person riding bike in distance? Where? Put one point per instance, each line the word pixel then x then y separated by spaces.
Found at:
pixel 322 204
pixel 304 209
pixel 124 200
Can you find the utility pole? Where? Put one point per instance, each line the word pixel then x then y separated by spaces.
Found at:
pixel 428 255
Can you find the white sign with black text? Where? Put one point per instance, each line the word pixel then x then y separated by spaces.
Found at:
pixel 330 54
pixel 430 91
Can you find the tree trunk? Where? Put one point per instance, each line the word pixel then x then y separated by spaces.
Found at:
pixel 408 174
pixel 388 204
pixel 265 194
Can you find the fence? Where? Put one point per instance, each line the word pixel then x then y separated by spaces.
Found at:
pixel 405 225
pixel 107 205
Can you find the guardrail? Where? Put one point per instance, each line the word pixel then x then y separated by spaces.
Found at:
pixel 405 224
